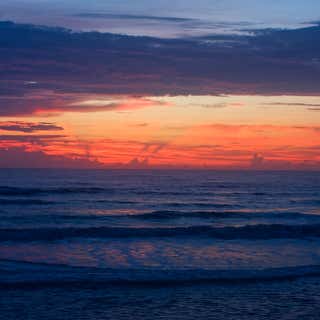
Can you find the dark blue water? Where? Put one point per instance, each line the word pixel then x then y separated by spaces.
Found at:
pixel 159 244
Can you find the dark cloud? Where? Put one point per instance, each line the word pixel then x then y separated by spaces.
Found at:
pixel 163 26
pixel 51 103
pixel 257 161
pixel 30 138
pixel 11 158
pixel 28 127
pixel 45 68
pixel 139 125
pixel 153 147
pixel 211 106
pixel 96 15
pixel 135 163
pixel 294 104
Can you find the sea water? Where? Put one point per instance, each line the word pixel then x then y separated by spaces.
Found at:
pixel 102 244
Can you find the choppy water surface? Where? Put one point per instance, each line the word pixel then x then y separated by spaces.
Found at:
pixel 75 228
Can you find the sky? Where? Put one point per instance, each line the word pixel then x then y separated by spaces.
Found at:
pixel 160 84
pixel 163 18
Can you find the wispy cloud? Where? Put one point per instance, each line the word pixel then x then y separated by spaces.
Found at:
pixel 30 138
pixel 28 127
pixel 96 15
pixel 293 104
pixel 11 158
pixel 39 102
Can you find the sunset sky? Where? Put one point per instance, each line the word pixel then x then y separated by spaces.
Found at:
pixel 218 84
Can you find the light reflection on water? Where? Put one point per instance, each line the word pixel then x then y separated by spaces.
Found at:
pixel 139 202
pixel 166 253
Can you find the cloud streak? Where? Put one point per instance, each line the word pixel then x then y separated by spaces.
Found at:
pixel 30 138
pixel 28 127
pixel 95 15
pixel 293 104
pixel 10 158
pixel 47 103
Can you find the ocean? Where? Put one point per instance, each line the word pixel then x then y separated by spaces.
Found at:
pixel 162 244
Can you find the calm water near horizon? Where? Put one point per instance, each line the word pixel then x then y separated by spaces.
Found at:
pixel 126 244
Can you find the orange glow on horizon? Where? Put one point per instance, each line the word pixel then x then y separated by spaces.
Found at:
pixel 186 131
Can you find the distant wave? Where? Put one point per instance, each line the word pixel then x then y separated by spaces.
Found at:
pixel 313 202
pixel 16 191
pixel 10 202
pixel 249 232
pixel 11 191
pixel 159 215
pixel 15 273
pixel 26 191
pixel 216 185
pixel 198 204
pixel 170 193
pixel 172 204
pixel 224 214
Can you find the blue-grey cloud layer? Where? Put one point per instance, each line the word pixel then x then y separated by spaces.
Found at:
pixel 161 18
pixel 34 60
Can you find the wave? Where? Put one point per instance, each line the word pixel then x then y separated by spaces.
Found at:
pixel 171 193
pixel 224 214
pixel 248 232
pixel 159 215
pixel 26 191
pixel 198 204
pixel 114 201
pixel 16 191
pixel 10 202
pixel 312 202
pixel 30 275
pixel 10 191
pixel 216 185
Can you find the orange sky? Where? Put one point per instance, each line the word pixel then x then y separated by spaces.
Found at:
pixel 261 132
